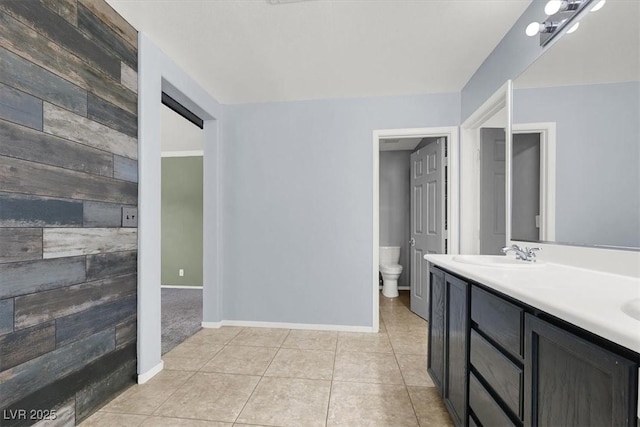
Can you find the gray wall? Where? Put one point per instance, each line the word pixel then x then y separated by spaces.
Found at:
pixel 182 220
pixel 598 152
pixel 68 164
pixel 515 52
pixel 395 205
pixel 297 197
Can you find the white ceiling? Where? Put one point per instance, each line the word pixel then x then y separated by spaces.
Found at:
pixel 253 51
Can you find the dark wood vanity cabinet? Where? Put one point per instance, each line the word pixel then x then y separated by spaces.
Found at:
pixel 497 362
pixel 573 382
pixel 448 356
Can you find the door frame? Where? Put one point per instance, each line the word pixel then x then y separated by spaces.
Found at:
pixel 158 73
pixel 469 231
pixel 547 133
pixel 453 191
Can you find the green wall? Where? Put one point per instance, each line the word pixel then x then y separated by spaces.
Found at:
pixel 182 220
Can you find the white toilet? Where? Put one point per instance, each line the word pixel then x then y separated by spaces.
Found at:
pixel 390 270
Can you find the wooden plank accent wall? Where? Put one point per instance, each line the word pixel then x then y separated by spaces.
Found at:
pixel 68 165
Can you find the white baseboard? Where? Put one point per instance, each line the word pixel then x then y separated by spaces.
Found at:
pixel 143 378
pixel 180 287
pixel 401 288
pixel 284 325
pixel 211 325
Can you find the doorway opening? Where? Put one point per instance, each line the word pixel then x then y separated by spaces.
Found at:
pixel 181 142
pixel 414 205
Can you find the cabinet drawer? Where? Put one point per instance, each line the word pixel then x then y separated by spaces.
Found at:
pixel 498 319
pixel 504 377
pixel 487 411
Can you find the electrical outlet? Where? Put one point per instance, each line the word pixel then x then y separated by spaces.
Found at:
pixel 129 217
pixel 181 272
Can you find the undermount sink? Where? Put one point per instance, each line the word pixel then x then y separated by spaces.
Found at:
pixel 632 308
pixel 496 261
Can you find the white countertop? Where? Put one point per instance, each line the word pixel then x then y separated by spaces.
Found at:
pixel 589 299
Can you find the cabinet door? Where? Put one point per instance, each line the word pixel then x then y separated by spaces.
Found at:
pixel 436 356
pixel 457 348
pixel 572 382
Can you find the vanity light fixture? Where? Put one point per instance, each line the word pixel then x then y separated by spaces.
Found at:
pixel 560 14
pixel 555 6
pixel 598 6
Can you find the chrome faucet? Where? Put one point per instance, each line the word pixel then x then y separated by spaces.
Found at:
pixel 526 254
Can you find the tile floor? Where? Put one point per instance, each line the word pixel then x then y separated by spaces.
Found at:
pixel 236 376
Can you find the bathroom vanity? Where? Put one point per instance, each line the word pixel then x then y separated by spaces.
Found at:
pixel 513 343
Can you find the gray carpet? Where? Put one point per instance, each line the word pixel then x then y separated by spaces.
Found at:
pixel 181 315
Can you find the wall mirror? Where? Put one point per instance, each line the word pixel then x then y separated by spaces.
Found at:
pixel 576 136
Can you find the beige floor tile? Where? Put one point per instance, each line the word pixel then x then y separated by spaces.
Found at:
pixel 267 337
pixel 367 367
pixel 294 363
pixel 146 398
pixel 409 342
pixel 414 369
pixel 311 340
pixel 210 396
pixel 192 350
pixel 288 402
pixel 183 364
pixel 108 419
pixel 358 404
pixel 219 336
pixel 181 422
pixel 363 342
pixel 240 359
pixel 429 407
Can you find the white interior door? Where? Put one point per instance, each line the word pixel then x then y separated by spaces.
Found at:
pixel 525 187
pixel 427 218
pixel 492 191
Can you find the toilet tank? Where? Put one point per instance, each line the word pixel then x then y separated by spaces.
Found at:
pixel 389 255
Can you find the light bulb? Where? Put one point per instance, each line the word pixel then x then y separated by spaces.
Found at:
pixel 533 29
pixel 598 6
pixel 552 7
pixel 572 29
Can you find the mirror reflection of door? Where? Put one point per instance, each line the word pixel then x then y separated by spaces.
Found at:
pixel 428 213
pixel 492 191
pixel 525 187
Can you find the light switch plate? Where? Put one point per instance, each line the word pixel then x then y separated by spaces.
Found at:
pixel 129 217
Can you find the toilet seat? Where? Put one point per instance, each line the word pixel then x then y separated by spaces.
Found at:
pixel 391 269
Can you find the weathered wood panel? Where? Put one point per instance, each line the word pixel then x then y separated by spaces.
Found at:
pixel 99 214
pixel 6 316
pixel 126 332
pixel 61 391
pixel 83 324
pixel 54 58
pixel 126 169
pixel 22 74
pixel 65 416
pixel 110 115
pixel 29 211
pixel 111 264
pixel 65 242
pixel 56 28
pixel 104 389
pixel 27 144
pixel 20 244
pixel 129 77
pixel 66 124
pixel 109 16
pixel 68 9
pixel 29 377
pixel 19 176
pixel 36 276
pixel 106 37
pixel 20 107
pixel 44 306
pixel 21 346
